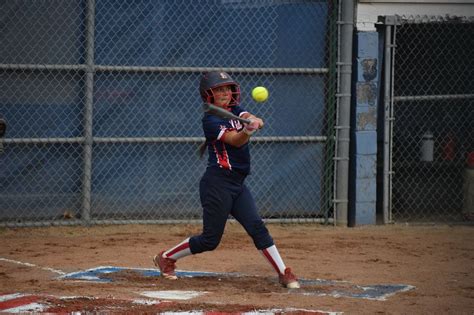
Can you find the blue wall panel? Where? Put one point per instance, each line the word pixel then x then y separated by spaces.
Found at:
pixel 363 165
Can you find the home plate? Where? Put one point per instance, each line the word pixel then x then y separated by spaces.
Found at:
pixel 172 294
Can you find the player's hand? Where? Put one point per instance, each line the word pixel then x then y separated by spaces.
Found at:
pixel 253 117
pixel 260 122
pixel 250 128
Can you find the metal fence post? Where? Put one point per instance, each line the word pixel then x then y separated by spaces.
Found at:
pixel 389 22
pixel 342 158
pixel 387 122
pixel 88 112
pixel 333 75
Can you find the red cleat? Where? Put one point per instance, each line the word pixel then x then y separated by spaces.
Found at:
pixel 166 265
pixel 289 280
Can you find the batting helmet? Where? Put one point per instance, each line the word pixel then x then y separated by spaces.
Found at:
pixel 215 79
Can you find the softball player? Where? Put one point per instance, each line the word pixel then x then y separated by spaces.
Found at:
pixel 222 189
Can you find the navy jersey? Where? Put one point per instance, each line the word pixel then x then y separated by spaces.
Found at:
pixel 221 154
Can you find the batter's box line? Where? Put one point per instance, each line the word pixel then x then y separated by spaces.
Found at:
pixel 93 274
pixel 25 303
pixel 378 292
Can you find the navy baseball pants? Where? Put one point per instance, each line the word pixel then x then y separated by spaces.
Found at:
pixel 223 192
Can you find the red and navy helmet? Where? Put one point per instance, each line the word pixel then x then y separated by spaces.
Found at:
pixel 215 79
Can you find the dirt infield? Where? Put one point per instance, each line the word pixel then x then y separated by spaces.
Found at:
pixel 438 261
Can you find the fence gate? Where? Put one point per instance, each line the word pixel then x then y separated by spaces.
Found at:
pixel 431 92
pixel 104 114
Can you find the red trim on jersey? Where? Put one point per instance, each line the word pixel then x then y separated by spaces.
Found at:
pixel 270 259
pixel 222 159
pixel 178 249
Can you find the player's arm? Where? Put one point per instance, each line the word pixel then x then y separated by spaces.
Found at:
pixel 235 138
pixel 239 138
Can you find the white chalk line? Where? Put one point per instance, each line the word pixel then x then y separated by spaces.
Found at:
pixel 32 265
pixel 7 297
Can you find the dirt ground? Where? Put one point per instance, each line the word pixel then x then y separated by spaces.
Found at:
pixel 437 260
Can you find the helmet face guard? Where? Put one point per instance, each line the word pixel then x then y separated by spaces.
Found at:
pixel 214 79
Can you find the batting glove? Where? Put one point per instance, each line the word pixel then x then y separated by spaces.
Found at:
pixel 250 128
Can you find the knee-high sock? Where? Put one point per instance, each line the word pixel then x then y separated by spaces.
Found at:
pixel 273 256
pixel 179 251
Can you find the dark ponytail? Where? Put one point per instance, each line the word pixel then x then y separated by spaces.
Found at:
pixel 202 149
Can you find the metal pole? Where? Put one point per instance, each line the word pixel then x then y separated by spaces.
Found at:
pixel 89 90
pixel 396 21
pixel 336 130
pixel 342 158
pixel 387 117
pixel 150 69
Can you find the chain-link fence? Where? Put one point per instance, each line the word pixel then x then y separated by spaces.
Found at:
pixel 103 111
pixel 433 132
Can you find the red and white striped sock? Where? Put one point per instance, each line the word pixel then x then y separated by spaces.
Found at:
pixel 179 251
pixel 273 256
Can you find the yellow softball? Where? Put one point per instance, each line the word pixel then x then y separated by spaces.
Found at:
pixel 260 94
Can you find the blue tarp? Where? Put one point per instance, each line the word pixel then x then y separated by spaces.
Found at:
pixel 41 104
